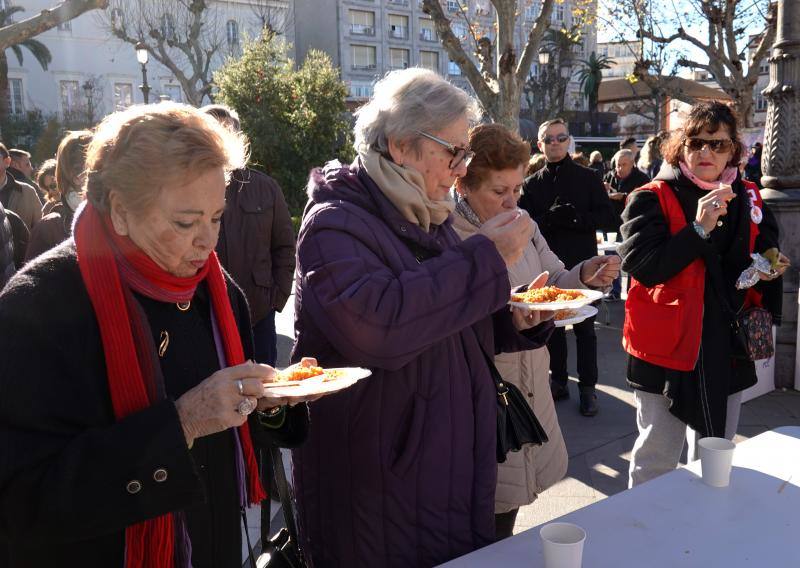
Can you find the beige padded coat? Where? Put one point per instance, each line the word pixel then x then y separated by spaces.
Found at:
pixel 530 471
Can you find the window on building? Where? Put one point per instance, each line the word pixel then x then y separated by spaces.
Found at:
pixel 459 29
pixel 761 103
pixel 123 95
pixel 69 96
pixel 398 58
pixel 453 68
pixel 232 33
pixel 453 6
pixel 532 11
pixel 174 92
pixel 557 15
pixel 117 18
pixel 360 90
pixel 15 96
pixel 427 31
pixel 65 26
pixel 168 26
pixel 763 68
pixel 398 26
pixel 364 57
pixel 429 60
pixel 362 22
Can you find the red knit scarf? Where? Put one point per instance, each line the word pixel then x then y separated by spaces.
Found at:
pixel 148 544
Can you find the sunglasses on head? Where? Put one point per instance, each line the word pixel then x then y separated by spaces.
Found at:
pixel 460 154
pixel 561 138
pixel 717 146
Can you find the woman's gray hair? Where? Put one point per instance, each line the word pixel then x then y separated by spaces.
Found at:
pixel 407 101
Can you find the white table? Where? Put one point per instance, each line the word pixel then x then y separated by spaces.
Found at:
pixel 677 521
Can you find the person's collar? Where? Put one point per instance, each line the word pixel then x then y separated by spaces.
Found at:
pixel 558 164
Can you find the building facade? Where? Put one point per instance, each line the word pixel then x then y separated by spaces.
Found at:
pixel 93 73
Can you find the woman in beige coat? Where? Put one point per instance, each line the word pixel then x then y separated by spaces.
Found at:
pixel 492 185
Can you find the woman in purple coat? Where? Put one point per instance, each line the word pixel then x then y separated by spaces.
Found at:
pixel 400 470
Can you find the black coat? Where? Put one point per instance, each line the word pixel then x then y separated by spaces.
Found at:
pixel 635 180
pixel 569 203
pixel 7 265
pixel 66 460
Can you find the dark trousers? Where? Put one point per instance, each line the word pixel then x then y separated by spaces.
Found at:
pixel 586 341
pixel 504 524
pixel 266 340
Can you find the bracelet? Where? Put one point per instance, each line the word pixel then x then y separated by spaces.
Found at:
pixel 698 228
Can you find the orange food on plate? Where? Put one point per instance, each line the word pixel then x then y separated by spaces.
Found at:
pixel 565 314
pixel 299 373
pixel 546 294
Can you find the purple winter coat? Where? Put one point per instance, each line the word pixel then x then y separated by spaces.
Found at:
pixel 400 469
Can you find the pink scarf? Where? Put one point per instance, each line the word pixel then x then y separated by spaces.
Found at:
pixel 728 177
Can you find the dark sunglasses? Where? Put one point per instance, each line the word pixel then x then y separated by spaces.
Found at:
pixel 460 154
pixel 53 186
pixel 561 138
pixel 717 146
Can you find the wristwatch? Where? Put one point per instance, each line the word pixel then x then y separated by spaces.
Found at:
pixel 699 229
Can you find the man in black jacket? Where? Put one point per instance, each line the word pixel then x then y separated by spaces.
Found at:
pixel 7 265
pixel 569 203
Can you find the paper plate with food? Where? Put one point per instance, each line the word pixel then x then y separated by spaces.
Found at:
pixel 307 378
pixel 551 298
pixel 563 318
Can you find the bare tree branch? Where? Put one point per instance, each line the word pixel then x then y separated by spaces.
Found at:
pixel 69 9
pixel 534 39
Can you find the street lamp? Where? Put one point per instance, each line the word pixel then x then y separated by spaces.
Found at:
pixel 87 90
pixel 544 57
pixel 142 56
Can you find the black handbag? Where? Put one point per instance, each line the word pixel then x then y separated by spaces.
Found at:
pixel 517 425
pixel 282 550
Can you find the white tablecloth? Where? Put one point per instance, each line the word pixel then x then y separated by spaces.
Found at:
pixel 678 521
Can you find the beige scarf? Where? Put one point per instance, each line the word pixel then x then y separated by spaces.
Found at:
pixel 405 188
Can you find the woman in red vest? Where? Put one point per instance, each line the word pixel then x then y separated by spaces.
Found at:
pixel 688 235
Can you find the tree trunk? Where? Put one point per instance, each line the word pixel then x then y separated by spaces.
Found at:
pixel 3 87
pixel 745 108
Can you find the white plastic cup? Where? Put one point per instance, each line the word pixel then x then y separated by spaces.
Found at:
pixel 599 237
pixel 716 456
pixel 562 545
pixel 612 237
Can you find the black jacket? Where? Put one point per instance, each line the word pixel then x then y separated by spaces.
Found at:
pixel 256 241
pixel 635 179
pixel 569 203
pixel 66 461
pixel 7 266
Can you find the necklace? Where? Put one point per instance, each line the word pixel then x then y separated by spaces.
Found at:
pixel 184 306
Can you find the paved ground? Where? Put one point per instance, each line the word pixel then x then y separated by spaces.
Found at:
pixel 599 448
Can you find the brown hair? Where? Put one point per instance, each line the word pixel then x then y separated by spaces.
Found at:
pixel 71 160
pixel 536 163
pixel 48 168
pixel 581 159
pixel 709 116
pixel 139 151
pixel 496 148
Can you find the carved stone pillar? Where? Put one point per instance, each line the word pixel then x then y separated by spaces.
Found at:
pixel 780 163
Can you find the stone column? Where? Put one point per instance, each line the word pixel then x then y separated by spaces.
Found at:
pixel 780 163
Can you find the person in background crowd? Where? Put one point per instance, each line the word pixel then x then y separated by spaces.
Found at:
pixel 21 235
pixel 46 180
pixel 580 159
pixel 597 163
pixel 22 169
pixel 256 244
pixel 568 203
pixel 16 195
pixel 131 443
pixel 7 265
pixel 650 159
pixel 400 469
pixel 70 177
pixel 630 144
pixel 688 236
pixel 623 179
pixel 491 187
pixel 752 169
pixel 535 163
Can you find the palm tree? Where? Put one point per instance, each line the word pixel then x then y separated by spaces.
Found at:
pixel 590 77
pixel 37 48
pixel 560 43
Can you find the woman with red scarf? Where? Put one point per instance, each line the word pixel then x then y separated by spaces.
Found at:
pixel 130 441
pixel 688 236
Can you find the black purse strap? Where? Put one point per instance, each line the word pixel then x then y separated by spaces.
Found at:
pixel 285 494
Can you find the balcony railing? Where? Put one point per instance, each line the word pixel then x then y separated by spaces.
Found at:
pixel 398 32
pixel 398 2
pixel 362 29
pixel 364 67
pixel 427 35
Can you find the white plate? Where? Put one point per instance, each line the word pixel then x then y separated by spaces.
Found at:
pixel 319 385
pixel 589 296
pixel 583 313
pixel 607 247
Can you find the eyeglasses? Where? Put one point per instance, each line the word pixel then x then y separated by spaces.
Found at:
pixel 460 154
pixel 561 138
pixel 52 186
pixel 717 146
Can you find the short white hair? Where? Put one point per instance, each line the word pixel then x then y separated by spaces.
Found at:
pixel 595 156
pixel 622 154
pixel 407 101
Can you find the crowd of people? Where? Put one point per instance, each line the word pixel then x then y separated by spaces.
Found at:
pixel 137 325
